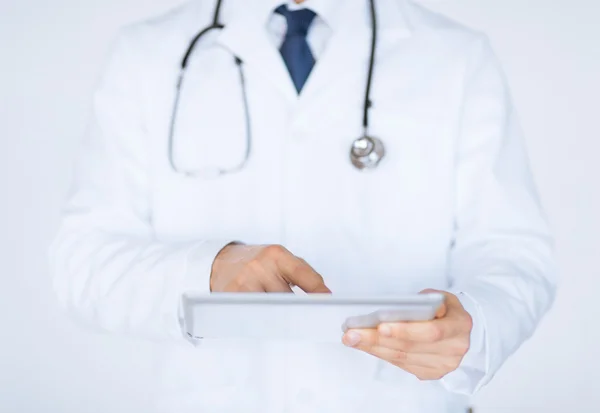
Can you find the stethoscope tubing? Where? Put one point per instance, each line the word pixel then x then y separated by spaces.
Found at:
pixel 216 25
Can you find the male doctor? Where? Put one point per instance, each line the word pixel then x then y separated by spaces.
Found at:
pixel 272 105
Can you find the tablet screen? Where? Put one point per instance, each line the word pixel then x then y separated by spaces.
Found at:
pixel 313 317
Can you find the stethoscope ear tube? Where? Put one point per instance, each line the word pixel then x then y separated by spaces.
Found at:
pixel 215 25
pixel 207 172
pixel 190 49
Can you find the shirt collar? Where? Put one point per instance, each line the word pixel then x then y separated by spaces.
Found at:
pixel 325 9
pixel 391 13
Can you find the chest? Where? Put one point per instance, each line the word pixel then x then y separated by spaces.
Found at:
pixel 298 187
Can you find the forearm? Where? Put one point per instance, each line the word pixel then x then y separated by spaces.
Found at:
pixel 509 284
pixel 128 283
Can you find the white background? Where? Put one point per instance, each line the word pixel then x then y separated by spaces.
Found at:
pixel 50 56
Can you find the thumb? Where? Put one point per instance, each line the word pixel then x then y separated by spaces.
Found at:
pixel 443 309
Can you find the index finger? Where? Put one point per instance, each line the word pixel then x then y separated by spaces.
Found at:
pixel 296 271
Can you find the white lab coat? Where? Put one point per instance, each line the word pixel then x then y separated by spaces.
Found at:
pixel 452 206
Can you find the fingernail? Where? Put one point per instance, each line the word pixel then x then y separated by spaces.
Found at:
pixel 385 330
pixel 352 338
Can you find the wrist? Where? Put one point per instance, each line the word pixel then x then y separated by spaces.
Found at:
pixel 215 268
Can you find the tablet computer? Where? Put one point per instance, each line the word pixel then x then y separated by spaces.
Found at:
pixel 314 317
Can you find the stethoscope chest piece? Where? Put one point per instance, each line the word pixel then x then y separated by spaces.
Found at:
pixel 366 152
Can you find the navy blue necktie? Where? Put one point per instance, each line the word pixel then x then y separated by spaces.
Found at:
pixel 295 49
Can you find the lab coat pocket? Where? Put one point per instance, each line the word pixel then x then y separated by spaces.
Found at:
pixel 210 377
pixel 211 364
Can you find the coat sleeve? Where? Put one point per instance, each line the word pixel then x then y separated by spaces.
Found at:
pixel 108 268
pixel 502 262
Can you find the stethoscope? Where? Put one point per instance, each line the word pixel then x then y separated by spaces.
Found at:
pixel 366 152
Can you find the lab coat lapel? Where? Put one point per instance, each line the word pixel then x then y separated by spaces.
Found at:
pixel 247 38
pixel 348 49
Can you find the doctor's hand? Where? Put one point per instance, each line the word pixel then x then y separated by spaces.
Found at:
pixel 429 350
pixel 262 268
